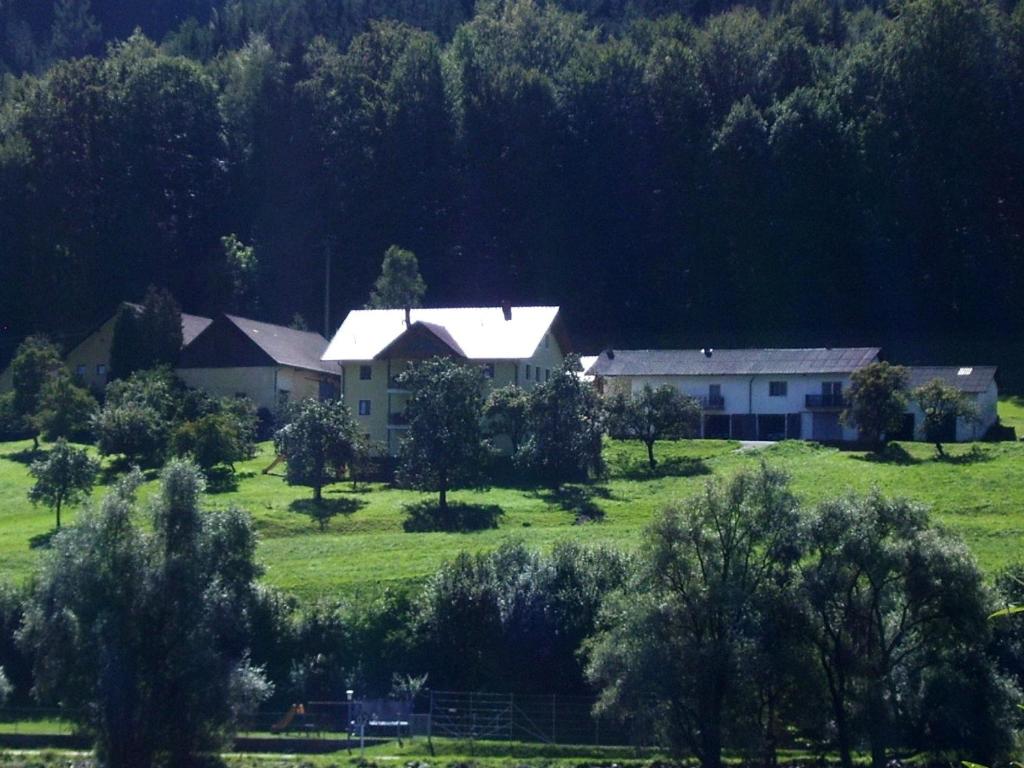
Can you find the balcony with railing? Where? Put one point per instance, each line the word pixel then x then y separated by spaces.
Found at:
pixel 398 419
pixel 394 387
pixel 713 403
pixel 833 401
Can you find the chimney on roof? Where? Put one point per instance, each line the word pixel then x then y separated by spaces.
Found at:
pixel 408 316
pixel 610 353
pixel 506 309
pixel 708 351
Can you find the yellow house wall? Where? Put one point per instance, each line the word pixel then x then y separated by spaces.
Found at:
pixel 94 351
pixel 547 357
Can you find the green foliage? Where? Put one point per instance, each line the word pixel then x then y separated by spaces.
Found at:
pixel 443 447
pixel 876 401
pixel 399 284
pixel 676 639
pixel 895 606
pixel 942 404
pixel 137 417
pixel 319 441
pixel 144 636
pixel 654 414
pixel 514 619
pixel 565 427
pixel 65 409
pixel 209 440
pixel 146 337
pixel 505 414
pixel 35 363
pixel 243 267
pixel 63 477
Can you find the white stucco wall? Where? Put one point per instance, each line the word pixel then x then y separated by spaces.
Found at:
pixel 261 384
pixel 748 394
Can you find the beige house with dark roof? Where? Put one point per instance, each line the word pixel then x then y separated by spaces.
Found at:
pixel 513 345
pixel 89 361
pixel 270 364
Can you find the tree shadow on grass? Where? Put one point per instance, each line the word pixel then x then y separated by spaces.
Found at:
pixel 673 466
pixel 321 512
pixel 425 517
pixel 893 453
pixel 26 456
pixel 42 540
pixel 580 501
pixel 974 456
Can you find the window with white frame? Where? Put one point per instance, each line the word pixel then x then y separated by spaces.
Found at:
pixel 365 372
pixel 364 407
pixel 777 389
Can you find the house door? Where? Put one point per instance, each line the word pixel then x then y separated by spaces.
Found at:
pixel 825 427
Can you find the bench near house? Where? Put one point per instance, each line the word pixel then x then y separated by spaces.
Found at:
pixel 513 345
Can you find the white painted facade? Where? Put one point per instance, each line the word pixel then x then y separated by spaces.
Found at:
pixel 744 395
pixel 966 429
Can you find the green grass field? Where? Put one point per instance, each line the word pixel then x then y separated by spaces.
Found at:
pixel 978 493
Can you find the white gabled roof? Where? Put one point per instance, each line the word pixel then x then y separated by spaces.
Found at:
pixel 481 333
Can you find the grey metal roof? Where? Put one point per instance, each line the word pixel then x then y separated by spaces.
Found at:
pixel 286 346
pixel 966 378
pixel 735 362
pixel 192 326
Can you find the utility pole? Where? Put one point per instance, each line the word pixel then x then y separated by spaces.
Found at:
pixel 327 289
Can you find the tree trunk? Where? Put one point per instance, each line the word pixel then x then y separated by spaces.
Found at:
pixel 318 493
pixel 650 454
pixel 58 514
pixel 877 722
pixel 442 499
pixel 938 447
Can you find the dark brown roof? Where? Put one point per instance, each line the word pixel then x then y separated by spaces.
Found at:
pixel 737 362
pixel 966 378
pixel 286 346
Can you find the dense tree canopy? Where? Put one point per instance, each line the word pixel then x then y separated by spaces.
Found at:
pixel 804 172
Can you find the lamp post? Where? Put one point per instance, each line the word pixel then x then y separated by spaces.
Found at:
pixel 348 714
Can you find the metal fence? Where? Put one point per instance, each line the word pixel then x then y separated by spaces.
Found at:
pixel 548 719
pixel 464 715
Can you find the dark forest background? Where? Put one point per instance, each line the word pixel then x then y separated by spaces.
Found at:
pixel 671 172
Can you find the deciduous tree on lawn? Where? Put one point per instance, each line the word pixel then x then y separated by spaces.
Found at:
pixel 654 414
pixel 35 363
pixel 63 477
pixel 144 636
pixel 941 405
pixel 65 409
pixel 443 447
pixel 319 441
pixel 877 400
pixel 565 425
pixel 676 638
pixel 890 599
pixel 505 412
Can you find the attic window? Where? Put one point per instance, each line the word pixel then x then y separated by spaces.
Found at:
pixel 965 372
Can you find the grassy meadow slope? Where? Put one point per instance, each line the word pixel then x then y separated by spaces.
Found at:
pixel 978 492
